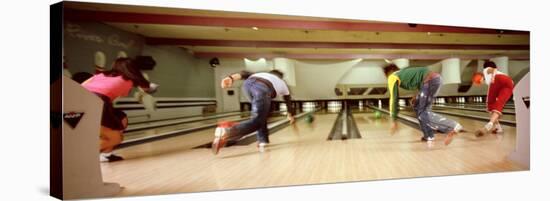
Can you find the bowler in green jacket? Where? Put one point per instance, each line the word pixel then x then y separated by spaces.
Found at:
pixel 427 85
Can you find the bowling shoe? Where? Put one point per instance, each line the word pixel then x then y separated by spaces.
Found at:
pixel 221 135
pixel 109 157
pixel 426 139
pixel 261 146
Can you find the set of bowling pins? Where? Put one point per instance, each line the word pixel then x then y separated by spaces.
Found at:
pixel 334 106
pixel 478 99
pixel 309 106
pixel 460 99
pixel 402 102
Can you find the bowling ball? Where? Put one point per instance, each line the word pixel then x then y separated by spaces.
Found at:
pixel 477 78
pixel 377 115
pixel 309 118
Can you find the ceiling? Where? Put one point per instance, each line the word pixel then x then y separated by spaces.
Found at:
pixel 252 35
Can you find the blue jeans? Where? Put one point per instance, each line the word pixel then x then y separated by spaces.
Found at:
pixel 259 95
pixel 430 121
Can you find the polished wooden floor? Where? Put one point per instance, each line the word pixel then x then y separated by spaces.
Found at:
pixel 301 155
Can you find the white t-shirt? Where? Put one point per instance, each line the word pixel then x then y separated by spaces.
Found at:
pixel 278 84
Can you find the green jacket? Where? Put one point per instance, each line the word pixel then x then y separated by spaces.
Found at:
pixel 410 78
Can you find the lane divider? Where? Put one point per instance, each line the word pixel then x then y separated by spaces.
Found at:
pixel 186 120
pixel 344 126
pixel 468 109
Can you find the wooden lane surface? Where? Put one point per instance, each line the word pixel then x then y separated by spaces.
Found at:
pixel 302 155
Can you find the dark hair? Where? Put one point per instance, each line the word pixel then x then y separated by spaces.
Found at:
pixel 277 73
pixel 390 68
pixel 126 68
pixel 488 64
pixel 80 77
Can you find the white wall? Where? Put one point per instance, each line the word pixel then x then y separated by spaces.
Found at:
pixel 316 79
pixel 365 72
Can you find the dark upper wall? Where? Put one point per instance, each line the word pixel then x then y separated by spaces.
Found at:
pixel 83 39
pixel 179 73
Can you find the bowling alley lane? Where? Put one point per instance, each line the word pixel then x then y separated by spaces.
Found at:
pixel 177 120
pixel 159 130
pixel 459 112
pixel 475 105
pixel 508 117
pixel 470 125
pixel 300 154
pixel 181 142
pixel 472 108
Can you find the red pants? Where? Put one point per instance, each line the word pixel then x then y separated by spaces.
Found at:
pixel 499 93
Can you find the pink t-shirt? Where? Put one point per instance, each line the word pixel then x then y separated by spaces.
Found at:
pixel 112 87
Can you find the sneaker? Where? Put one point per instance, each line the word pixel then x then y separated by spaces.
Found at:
pixel 458 128
pixel 261 146
pixel 109 157
pixel 219 140
pixel 103 157
pixel 498 129
pixel 449 137
pixel 427 139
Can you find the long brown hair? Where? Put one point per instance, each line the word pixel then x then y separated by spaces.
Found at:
pixel 126 68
